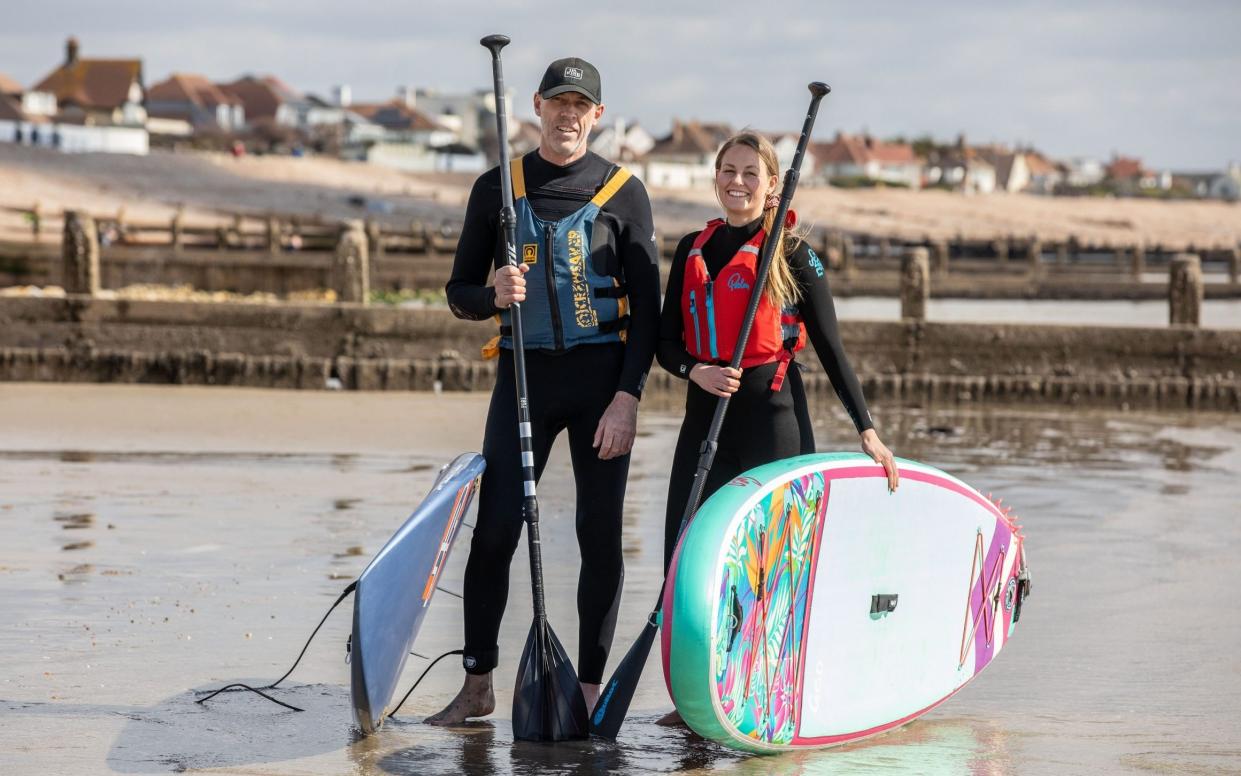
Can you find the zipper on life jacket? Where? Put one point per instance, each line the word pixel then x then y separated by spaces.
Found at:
pixel 549 232
pixel 715 353
pixel 693 311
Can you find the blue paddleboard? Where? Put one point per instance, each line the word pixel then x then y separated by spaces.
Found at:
pixel 395 589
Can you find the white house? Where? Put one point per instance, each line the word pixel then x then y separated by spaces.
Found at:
pixel 686 157
pixel 853 156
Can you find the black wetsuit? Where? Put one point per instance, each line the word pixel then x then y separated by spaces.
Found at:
pixel 761 426
pixel 568 390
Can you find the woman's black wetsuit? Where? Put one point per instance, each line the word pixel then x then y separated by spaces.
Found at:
pixel 761 425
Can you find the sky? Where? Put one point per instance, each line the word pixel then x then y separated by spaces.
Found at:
pixel 1147 78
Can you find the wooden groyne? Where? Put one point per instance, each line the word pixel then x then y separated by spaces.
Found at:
pixel 286 255
pixel 358 347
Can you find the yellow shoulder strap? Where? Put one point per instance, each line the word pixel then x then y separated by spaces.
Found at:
pixel 519 178
pixel 611 187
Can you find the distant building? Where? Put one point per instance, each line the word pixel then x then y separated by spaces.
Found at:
pixel 83 105
pixel 194 99
pixel 410 141
pixel 621 141
pixel 267 101
pixel 1227 185
pixel 862 156
pixel 471 116
pixel 1045 175
pixel 9 87
pixel 97 91
pixel 1083 172
pixel 686 157
pixel 1127 175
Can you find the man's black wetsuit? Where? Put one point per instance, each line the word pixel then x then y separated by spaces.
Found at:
pixel 568 390
pixel 761 426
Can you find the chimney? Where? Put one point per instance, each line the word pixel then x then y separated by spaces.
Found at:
pixel 407 96
pixel 342 95
pixel 71 50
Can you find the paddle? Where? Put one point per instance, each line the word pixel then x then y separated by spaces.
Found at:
pixel 547 702
pixel 617 694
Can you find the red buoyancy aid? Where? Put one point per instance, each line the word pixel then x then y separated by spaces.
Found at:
pixel 712 311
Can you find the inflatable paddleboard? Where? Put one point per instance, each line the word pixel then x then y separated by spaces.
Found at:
pixel 808 607
pixel 395 589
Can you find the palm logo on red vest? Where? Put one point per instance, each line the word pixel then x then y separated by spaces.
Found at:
pixel 736 282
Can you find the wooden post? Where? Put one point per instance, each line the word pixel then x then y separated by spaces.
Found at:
pixel 350 266
pixel 1137 262
pixel 846 255
pixel 36 221
pixel 939 250
pixel 1034 256
pixel 374 239
pixel 1062 253
pixel 273 235
pixel 1000 247
pixel 915 284
pixel 885 248
pixel 1234 265
pixel 1185 290
pixel 79 252
pixel 174 229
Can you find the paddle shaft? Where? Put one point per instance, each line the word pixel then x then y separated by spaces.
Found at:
pixel 508 222
pixel 618 692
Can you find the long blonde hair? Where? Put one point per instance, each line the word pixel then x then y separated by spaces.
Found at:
pixel 782 290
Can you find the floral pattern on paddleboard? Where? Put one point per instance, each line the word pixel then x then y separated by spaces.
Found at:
pixel 760 622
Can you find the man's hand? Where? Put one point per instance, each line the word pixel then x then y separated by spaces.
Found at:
pixel 618 426
pixel 510 285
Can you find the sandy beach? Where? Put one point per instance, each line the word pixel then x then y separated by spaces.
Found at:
pixel 206 184
pixel 163 539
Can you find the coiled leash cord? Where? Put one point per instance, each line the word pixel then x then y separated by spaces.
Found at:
pixel 237 686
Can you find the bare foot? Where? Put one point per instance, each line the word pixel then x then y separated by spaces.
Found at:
pixel 476 699
pixel 591 693
pixel 671 719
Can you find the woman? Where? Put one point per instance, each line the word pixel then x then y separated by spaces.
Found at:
pixel 709 287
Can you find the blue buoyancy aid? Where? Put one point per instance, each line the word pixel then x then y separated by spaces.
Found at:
pixel 568 300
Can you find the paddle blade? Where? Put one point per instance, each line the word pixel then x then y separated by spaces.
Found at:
pixel 618 692
pixel 547 702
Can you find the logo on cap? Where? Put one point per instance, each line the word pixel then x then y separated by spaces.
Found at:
pixel 573 72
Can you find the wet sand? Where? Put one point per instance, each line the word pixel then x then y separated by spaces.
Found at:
pixel 163 539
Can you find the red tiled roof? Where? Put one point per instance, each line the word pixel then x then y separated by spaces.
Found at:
pixel 1039 164
pixel 859 150
pixel 257 96
pixel 102 84
pixel 184 87
pixel 395 114
pixel 691 138
pixel 10 109
pixel 9 86
pixel 1123 167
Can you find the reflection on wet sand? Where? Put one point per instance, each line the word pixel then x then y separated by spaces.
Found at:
pixel 218 564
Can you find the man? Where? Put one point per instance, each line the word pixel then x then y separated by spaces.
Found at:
pixel 588 284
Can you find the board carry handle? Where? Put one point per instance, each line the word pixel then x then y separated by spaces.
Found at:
pixel 883 603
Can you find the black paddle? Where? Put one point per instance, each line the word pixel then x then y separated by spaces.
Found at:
pixel 617 694
pixel 547 702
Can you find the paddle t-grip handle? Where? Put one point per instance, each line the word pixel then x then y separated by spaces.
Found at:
pixel 495 42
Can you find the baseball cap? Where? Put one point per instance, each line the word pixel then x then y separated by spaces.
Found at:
pixel 571 75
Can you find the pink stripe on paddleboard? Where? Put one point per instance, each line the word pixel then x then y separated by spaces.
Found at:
pixel 856 472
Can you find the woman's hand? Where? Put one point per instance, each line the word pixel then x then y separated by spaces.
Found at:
pixel 716 380
pixel 879 452
pixel 510 285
